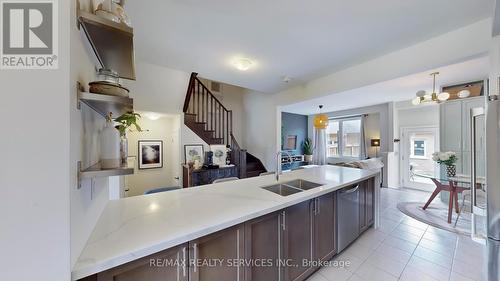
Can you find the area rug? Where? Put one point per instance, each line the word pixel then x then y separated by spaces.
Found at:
pixel 437 215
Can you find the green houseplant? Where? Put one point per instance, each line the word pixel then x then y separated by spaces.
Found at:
pixel 125 122
pixel 307 146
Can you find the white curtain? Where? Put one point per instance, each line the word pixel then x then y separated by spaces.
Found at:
pixel 363 154
pixel 319 154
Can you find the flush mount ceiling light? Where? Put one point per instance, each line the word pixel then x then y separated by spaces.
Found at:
pixel 242 64
pixel 152 116
pixel 424 97
pixel 463 94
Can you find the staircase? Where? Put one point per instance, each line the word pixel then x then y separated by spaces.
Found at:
pixel 207 117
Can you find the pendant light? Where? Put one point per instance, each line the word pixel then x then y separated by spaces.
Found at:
pixel 321 120
pixel 424 97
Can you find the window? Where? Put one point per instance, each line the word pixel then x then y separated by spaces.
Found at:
pixel 343 137
pixel 418 148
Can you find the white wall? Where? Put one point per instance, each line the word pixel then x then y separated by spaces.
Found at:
pixel 407 115
pixel 163 90
pixel 34 171
pixel 379 124
pixel 372 131
pixel 166 129
pixel 233 98
pixel 263 110
pixel 87 202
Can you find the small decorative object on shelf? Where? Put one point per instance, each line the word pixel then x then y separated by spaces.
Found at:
pixel 307 146
pixel 125 122
pixel 110 145
pixel 447 158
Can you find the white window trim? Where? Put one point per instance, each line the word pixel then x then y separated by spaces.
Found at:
pixel 340 139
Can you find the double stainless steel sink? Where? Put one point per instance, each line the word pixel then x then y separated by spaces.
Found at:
pixel 291 187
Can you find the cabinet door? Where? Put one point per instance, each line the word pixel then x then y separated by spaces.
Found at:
pixel 170 264
pixel 469 104
pixel 451 126
pixel 214 257
pixel 297 240
pixel 262 244
pixel 363 225
pixel 324 227
pixel 366 204
pixel 370 201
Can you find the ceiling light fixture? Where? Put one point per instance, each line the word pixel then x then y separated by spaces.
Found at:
pixel 152 116
pixel 463 94
pixel 424 97
pixel 320 120
pixel 242 64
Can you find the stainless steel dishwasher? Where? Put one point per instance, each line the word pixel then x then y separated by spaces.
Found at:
pixel 347 216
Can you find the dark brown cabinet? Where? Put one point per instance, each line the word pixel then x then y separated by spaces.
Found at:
pixel 170 264
pixel 286 245
pixel 366 204
pixel 309 236
pixel 324 227
pixel 214 257
pixel 262 246
pixel 297 240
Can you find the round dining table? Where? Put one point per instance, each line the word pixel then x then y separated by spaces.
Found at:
pixel 454 185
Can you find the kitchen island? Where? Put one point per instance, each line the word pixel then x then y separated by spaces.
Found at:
pixel 144 226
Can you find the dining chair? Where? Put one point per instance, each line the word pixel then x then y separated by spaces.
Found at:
pixel 225 179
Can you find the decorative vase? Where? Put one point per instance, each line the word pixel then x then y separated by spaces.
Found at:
pixel 451 170
pixel 123 150
pixel 110 145
pixel 308 158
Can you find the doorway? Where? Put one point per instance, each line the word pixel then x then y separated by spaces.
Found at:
pixel 418 144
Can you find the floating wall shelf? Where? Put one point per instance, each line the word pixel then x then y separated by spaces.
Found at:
pixel 96 171
pixel 104 104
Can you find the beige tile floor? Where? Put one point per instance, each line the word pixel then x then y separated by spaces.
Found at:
pixel 406 249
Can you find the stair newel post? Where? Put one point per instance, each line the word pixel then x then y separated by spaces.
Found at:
pixel 227 127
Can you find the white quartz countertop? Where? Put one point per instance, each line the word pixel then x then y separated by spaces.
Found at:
pixel 136 227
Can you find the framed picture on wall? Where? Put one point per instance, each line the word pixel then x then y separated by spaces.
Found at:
pixel 150 154
pixel 220 154
pixel 193 152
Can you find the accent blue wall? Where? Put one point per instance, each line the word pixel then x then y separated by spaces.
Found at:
pixel 294 125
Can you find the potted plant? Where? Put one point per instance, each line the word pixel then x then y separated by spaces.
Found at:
pixel 308 150
pixel 447 158
pixel 125 122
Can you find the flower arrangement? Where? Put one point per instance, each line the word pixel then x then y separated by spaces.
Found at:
pixel 447 158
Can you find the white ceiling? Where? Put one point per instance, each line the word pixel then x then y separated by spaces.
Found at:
pixel 400 89
pixel 300 39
